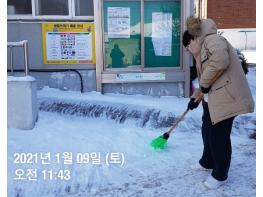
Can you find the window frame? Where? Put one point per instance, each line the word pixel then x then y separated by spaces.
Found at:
pixel 74 16
pixel 52 16
pixel 21 16
pixel 33 16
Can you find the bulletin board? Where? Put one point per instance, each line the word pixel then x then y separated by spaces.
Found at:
pixel 68 43
pixel 122 33
pixel 162 33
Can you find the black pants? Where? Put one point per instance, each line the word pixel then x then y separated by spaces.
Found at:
pixel 217 145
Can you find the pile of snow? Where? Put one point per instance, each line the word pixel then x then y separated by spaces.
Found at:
pixel 136 169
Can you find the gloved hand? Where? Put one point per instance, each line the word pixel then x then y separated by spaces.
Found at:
pixel 192 104
pixel 205 90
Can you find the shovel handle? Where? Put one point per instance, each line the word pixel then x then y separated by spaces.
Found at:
pixel 177 121
pixel 197 99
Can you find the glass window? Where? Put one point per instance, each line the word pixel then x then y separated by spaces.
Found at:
pixel 122 34
pixel 52 7
pixel 84 8
pixel 19 7
pixel 162 33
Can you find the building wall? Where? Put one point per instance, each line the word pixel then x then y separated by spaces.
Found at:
pixel 150 88
pixel 31 31
pixel 232 13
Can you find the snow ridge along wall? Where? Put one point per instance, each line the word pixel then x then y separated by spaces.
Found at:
pixel 118 112
pixel 143 116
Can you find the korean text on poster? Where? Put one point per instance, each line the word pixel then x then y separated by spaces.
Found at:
pixel 119 22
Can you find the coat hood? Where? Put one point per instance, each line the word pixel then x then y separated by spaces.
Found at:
pixel 208 27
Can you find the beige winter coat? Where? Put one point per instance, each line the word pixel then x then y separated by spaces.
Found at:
pixel 230 94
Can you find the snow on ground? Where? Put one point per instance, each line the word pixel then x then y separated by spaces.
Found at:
pixel 250 56
pixel 145 172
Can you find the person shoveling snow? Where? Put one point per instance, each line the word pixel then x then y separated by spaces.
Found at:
pixel 216 59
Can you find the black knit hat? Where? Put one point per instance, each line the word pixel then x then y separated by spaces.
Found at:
pixel 187 38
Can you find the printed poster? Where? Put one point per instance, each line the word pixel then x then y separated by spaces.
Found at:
pixel 119 22
pixel 68 43
pixel 162 33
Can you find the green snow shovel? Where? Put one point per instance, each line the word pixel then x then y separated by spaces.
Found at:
pixel 160 142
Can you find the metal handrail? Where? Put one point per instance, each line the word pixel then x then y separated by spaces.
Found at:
pixel 24 44
pixel 246 31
